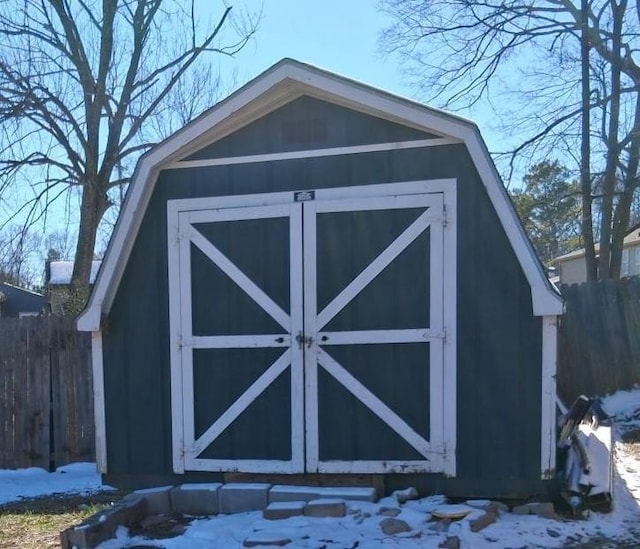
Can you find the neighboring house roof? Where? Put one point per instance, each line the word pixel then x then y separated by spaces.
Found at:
pixel 282 83
pixel 19 300
pixel 61 271
pixel 632 239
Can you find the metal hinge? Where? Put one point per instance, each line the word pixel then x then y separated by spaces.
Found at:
pixel 444 215
pixel 180 236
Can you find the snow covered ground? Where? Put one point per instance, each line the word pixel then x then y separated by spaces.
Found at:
pixel 77 478
pixel 361 527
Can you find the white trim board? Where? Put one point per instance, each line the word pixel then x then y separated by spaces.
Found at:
pixel 450 322
pixel 313 153
pixel 99 411
pixel 281 83
pixel 549 397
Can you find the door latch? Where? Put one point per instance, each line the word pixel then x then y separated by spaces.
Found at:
pixel 303 340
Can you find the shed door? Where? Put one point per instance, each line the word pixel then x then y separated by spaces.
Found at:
pixel 311 335
pixel 373 313
pixel 240 300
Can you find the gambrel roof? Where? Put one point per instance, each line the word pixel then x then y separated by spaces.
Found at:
pixel 279 85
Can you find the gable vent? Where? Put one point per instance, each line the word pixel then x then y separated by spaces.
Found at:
pixel 312 130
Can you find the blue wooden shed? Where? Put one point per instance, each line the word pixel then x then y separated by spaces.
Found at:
pixel 317 278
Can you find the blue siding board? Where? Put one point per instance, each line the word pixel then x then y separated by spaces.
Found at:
pixel 349 430
pixel 263 429
pixel 344 127
pixel 137 375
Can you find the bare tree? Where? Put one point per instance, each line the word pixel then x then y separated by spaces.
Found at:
pixel 571 75
pixel 80 81
pixel 19 248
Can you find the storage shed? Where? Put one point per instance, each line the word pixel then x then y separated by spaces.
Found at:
pixel 314 279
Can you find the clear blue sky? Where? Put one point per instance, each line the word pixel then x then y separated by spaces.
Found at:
pixel 337 35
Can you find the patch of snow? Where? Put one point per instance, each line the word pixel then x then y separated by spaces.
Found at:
pixel 361 526
pixel 76 478
pixel 622 404
pixel 61 271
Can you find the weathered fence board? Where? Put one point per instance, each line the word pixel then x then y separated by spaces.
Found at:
pixel 46 407
pixel 599 338
pixel 72 395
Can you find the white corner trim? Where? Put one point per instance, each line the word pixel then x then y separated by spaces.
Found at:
pixel 548 419
pixel 449 350
pixel 175 337
pixel 99 413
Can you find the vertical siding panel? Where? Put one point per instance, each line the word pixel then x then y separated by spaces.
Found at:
pixel 117 414
pixel 468 435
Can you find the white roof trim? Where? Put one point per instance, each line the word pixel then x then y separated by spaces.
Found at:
pixel 278 85
pixel 312 153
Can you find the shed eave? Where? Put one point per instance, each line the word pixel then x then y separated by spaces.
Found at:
pixel 89 320
pixel 546 302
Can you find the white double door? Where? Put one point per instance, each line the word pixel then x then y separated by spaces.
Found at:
pixel 307 331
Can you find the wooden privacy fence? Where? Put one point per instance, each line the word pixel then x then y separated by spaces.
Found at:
pixel 599 338
pixel 46 395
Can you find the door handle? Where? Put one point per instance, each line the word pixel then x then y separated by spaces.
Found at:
pixel 303 340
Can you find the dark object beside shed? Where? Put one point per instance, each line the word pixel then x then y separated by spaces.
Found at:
pixel 316 277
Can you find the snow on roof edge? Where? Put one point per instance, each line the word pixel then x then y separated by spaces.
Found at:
pixel 61 271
